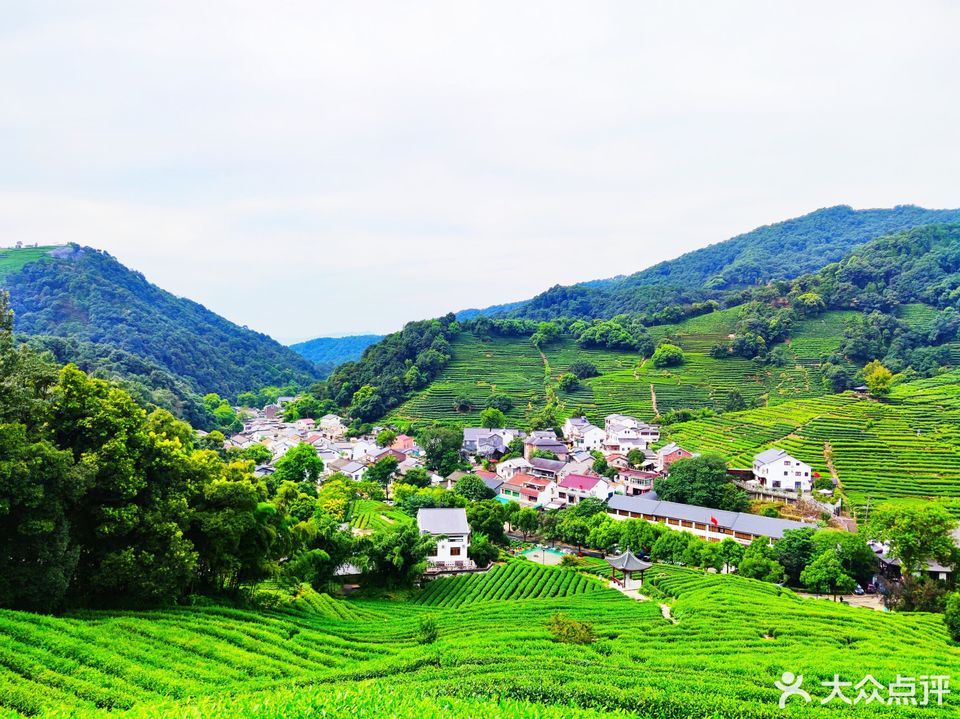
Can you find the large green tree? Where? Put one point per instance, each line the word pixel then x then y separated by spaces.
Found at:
pixel 702 481
pixel 916 530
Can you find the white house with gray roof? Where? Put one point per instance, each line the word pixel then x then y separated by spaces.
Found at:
pixel 711 524
pixel 452 531
pixel 775 469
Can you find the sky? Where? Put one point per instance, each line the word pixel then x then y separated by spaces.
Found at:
pixel 327 168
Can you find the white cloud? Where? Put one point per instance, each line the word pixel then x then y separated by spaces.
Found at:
pixel 401 160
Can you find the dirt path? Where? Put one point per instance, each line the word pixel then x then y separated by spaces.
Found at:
pixel 828 458
pixel 653 400
pixel 665 611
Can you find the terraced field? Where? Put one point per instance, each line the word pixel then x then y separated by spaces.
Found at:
pixel 513 581
pixel 725 644
pixel 372 515
pixel 515 367
pixel 906 446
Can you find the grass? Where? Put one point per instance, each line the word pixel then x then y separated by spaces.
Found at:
pixel 12 260
pixel 493 658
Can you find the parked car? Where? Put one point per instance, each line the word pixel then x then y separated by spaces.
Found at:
pixel 858 591
pixel 871 588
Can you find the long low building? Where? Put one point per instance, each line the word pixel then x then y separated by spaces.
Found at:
pixel 712 524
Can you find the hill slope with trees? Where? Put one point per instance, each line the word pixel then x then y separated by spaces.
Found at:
pixel 87 296
pixel 784 250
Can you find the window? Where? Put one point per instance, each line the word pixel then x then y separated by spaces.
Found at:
pixel 454 551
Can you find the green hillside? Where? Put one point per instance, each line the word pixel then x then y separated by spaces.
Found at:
pixel 906 445
pixel 13 259
pixel 627 383
pixel 86 295
pixel 716 650
pixel 779 251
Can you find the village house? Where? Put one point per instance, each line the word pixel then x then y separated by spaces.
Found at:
pixel 615 423
pixel 711 524
pixel 636 481
pixel 403 443
pixel 544 441
pixel 575 488
pixel 508 468
pixel 546 468
pixel 304 425
pixel 668 454
pixel 591 438
pixel 491 443
pixel 362 448
pixel 452 531
pixel 332 426
pixel 572 427
pixel 775 469
pixel 528 491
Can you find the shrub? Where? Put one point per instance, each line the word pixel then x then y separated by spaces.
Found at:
pixel 583 369
pixel 427 631
pixel 571 631
pixel 568 382
pixel 667 355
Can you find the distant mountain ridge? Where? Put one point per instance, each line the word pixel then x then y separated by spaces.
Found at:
pixel 89 297
pixel 778 251
pixel 334 350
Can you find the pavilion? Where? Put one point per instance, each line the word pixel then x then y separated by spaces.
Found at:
pixel 628 563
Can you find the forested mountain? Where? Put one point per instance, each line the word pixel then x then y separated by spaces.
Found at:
pixel 892 299
pixel 334 350
pixel 87 296
pixel 773 252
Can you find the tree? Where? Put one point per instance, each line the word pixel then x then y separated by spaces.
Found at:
pixel 386 437
pixel 502 402
pixel 916 530
pixel 301 464
pixel 734 402
pixel 702 481
pixel 462 403
pixel 731 553
pixel 667 355
pixel 951 615
pixel 482 550
pixel 809 304
pixel 417 476
pixel 382 471
pixel 582 369
pixel 493 418
pixel 794 551
pixel 636 457
pixel 487 517
pixel 825 575
pixel 855 554
pixel 877 378
pixel 568 382
pixel 473 489
pixel 671 547
pixel 396 556
pixel 528 522
pixel 441 447
pixel 759 562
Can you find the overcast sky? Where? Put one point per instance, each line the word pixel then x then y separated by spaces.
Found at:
pixel 312 168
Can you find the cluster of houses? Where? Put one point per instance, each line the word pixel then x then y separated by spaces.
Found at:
pixel 554 471
pixel 328 436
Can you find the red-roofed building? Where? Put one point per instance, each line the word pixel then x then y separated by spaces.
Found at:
pixel 403 443
pixel 528 490
pixel 576 487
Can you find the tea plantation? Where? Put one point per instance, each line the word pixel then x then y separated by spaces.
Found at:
pixel 906 445
pixel 717 652
pixel 627 383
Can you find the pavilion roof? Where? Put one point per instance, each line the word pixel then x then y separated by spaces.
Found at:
pixel 628 562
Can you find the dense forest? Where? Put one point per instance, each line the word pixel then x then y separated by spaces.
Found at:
pixel 774 252
pixel 88 296
pixel 331 351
